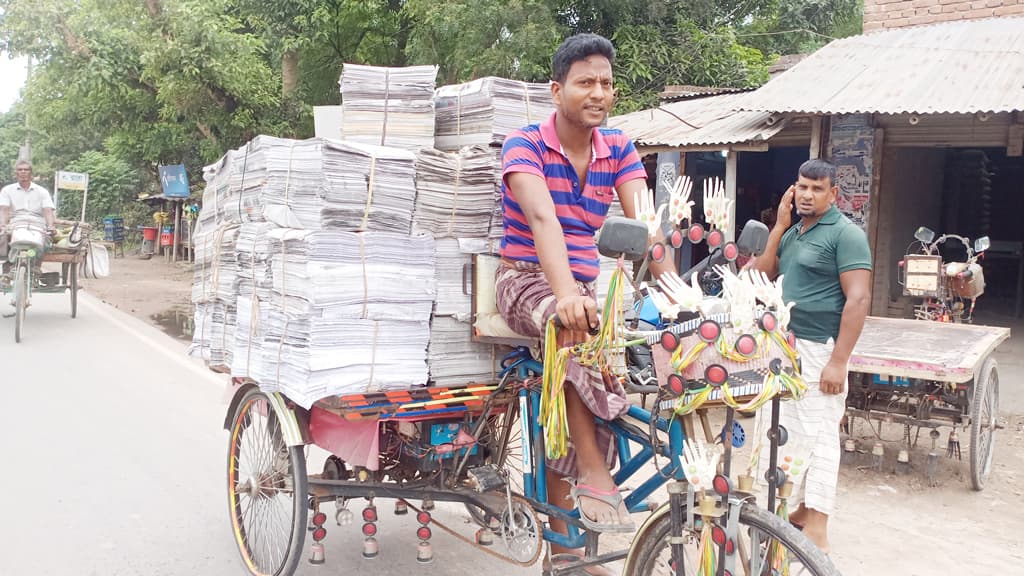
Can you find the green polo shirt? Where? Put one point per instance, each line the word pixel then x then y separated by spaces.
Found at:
pixel 812 262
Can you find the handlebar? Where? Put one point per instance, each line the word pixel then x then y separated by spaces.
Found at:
pixel 593 330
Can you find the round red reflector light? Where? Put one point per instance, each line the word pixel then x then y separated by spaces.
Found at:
pixel 319 534
pixel 369 514
pixel 669 341
pixel 423 533
pixel 676 384
pixel 731 251
pixel 721 485
pixel 730 548
pixel 715 238
pixel 768 322
pixel 718 535
pixel 791 338
pixel 709 331
pixel 746 345
pixel 695 233
pixel 658 252
pixel 676 238
pixel 319 518
pixel 369 529
pixel 423 518
pixel 716 374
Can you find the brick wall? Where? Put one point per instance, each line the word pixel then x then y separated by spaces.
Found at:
pixel 879 14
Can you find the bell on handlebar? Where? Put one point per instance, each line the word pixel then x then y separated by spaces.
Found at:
pixel 924 234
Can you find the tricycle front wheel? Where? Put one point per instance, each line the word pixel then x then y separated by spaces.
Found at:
pixel 267 489
pixel 984 420
pixel 20 299
pixel 73 284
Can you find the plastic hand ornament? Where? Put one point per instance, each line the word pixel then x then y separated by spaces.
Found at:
pixel 770 294
pixel 701 463
pixel 665 307
pixel 688 296
pixel 644 203
pixel 716 205
pixel 741 295
pixel 679 203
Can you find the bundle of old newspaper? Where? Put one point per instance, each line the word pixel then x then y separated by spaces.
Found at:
pixel 484 111
pixel 388 106
pixel 455 192
pixel 368 187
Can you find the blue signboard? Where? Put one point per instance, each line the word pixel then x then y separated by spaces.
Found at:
pixel 174 181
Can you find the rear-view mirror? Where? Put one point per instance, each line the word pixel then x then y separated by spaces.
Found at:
pixel 624 237
pixel 924 234
pixel 982 244
pixel 753 238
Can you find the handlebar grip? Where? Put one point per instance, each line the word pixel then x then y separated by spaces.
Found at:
pixel 593 330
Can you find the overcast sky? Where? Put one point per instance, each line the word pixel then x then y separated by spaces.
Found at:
pixel 12 78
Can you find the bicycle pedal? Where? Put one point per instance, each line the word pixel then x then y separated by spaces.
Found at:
pixel 487 478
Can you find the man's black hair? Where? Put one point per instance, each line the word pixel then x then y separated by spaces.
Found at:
pixel 577 48
pixel 817 169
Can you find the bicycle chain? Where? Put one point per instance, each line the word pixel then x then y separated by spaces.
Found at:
pixel 487 549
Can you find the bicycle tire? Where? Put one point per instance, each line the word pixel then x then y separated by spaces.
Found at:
pixel 654 548
pixel 20 300
pixel 984 415
pixel 276 470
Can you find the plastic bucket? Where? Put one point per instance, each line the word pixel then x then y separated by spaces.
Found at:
pixel 149 233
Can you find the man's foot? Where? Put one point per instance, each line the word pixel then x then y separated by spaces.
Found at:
pixel 602 509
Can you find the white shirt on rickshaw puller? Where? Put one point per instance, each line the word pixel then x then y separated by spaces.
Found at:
pixel 34 200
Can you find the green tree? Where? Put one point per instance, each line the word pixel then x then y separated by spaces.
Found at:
pixel 113 184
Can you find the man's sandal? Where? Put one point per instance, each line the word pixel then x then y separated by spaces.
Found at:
pixel 612 498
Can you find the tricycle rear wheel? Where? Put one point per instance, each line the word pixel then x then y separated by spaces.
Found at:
pixel 73 284
pixel 267 489
pixel 984 419
pixel 20 299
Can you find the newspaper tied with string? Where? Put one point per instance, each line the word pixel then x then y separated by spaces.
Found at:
pixel 482 112
pixel 388 106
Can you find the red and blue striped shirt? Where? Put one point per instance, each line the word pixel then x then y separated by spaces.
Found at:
pixel 536 150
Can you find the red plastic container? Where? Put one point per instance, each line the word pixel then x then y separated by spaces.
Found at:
pixel 149 234
pixel 167 237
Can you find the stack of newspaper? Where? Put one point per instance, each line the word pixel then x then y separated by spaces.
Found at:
pixel 454 192
pixel 484 111
pixel 388 106
pixel 368 187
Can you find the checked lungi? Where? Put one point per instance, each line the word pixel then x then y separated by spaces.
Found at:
pixel 525 301
pixel 811 455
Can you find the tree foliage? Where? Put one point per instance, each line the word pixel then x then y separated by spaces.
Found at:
pixel 126 85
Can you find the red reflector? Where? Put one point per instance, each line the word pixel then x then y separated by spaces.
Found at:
pixel 319 534
pixel 676 238
pixel 658 252
pixel 676 384
pixel 730 547
pixel 695 233
pixel 369 529
pixel 423 533
pixel 369 514
pixel 791 338
pixel 718 535
pixel 423 518
pixel 709 331
pixel 715 238
pixel 319 518
pixel 769 322
pixel 669 341
pixel 746 345
pixel 721 485
pixel 731 251
pixel 716 374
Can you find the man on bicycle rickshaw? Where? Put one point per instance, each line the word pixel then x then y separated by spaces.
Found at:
pixel 24 199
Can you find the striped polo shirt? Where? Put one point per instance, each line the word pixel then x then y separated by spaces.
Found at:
pixel 536 150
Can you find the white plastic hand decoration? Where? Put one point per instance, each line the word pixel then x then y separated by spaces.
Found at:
pixel 688 296
pixel 644 203
pixel 741 295
pixel 701 463
pixel 679 203
pixel 770 294
pixel 716 205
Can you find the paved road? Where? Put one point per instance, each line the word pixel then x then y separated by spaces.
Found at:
pixel 114 460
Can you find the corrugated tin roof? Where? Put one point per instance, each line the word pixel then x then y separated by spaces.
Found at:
pixel 673 93
pixel 709 121
pixel 954 67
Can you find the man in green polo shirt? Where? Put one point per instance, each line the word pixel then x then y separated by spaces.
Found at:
pixel 825 261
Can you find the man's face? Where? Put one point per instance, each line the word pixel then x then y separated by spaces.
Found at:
pixel 586 96
pixel 813 197
pixel 24 174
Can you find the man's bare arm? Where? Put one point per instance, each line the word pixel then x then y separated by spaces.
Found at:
pixel 856 286
pixel 5 215
pixel 534 198
pixel 768 262
pixel 48 216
